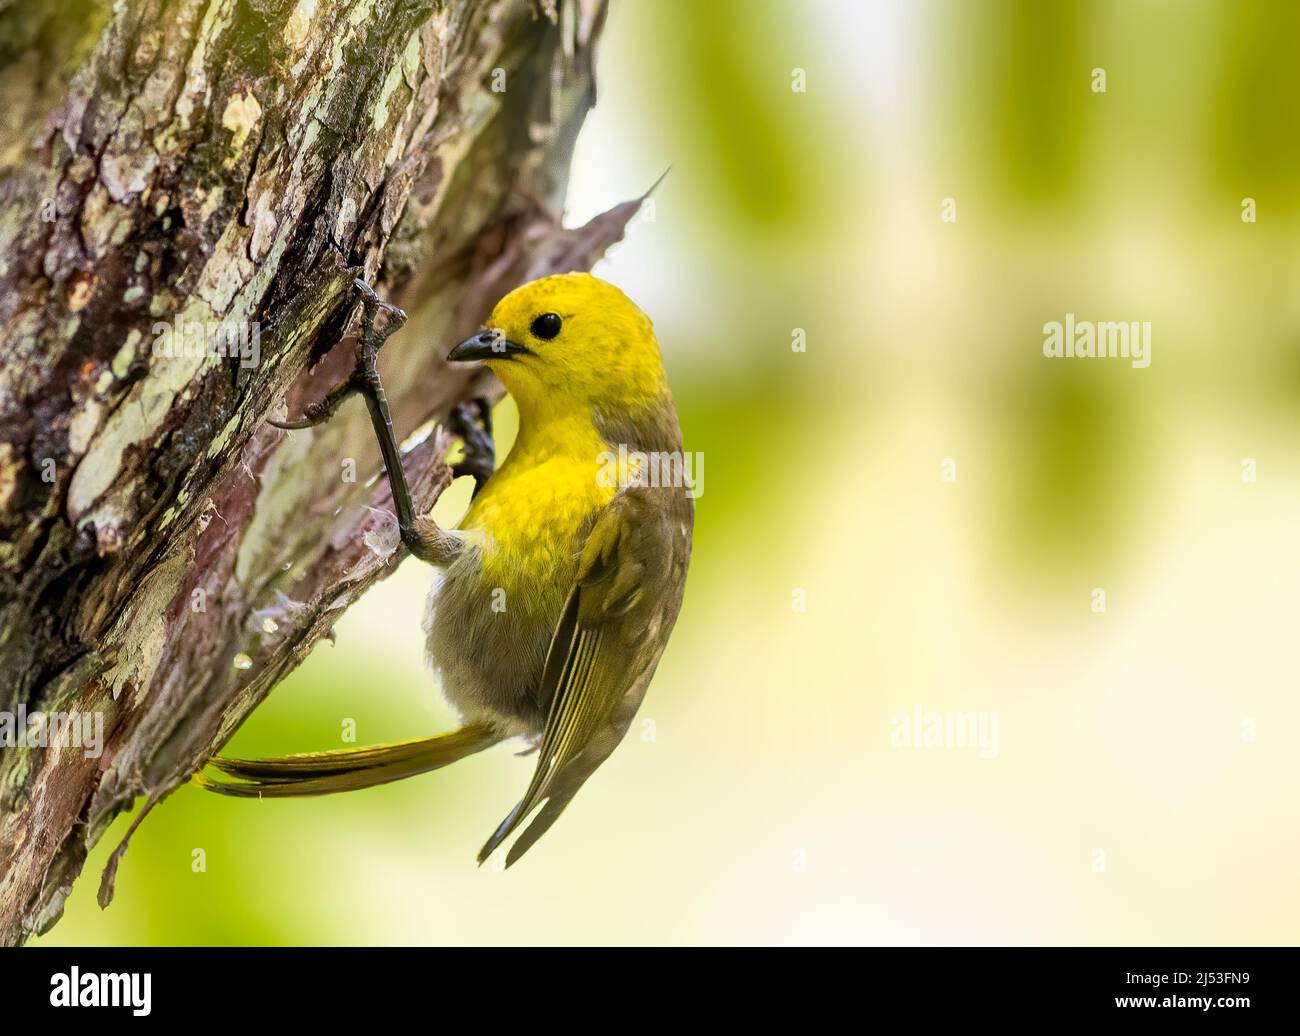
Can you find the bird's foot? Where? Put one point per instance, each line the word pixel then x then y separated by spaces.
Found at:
pixel 420 534
pixel 365 375
pixel 471 422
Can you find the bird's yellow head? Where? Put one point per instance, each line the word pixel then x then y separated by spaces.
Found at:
pixel 570 341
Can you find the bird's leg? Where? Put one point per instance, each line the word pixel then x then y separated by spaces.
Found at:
pixel 480 450
pixel 422 536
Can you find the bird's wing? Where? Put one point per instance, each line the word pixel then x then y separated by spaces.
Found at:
pixel 612 630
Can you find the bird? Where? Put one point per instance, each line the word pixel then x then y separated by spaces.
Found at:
pixel 559 590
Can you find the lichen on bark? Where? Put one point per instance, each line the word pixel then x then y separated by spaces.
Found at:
pixel 233 163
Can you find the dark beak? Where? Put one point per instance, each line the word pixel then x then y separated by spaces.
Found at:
pixel 486 345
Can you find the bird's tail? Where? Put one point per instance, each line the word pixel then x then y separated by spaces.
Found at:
pixel 323 773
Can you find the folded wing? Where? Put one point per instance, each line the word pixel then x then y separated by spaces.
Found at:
pixel 612 630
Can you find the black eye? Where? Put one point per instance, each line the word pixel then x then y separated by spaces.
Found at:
pixel 547 326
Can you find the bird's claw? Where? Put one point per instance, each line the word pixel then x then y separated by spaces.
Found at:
pixel 480 450
pixel 365 375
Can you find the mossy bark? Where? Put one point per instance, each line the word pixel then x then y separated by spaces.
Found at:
pixel 166 556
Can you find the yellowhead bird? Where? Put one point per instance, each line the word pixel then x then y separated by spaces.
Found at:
pixel 563 583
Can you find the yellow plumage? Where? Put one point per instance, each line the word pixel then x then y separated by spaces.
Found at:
pixel 560 589
pixel 536 501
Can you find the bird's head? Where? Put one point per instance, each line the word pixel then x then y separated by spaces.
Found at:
pixel 570 341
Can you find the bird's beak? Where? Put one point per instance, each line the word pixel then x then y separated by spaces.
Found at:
pixel 486 345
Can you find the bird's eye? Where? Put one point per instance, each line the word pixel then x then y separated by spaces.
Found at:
pixel 547 326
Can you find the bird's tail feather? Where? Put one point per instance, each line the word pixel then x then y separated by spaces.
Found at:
pixel 348 769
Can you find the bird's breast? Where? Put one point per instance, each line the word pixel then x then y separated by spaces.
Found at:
pixel 497 606
pixel 530 522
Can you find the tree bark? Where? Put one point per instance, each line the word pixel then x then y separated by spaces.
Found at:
pixel 166 556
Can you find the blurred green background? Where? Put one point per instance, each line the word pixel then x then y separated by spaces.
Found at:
pixel 1146 786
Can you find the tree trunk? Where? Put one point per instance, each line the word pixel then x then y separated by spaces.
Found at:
pixel 166 556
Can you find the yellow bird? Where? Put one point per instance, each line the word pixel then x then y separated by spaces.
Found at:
pixel 561 587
